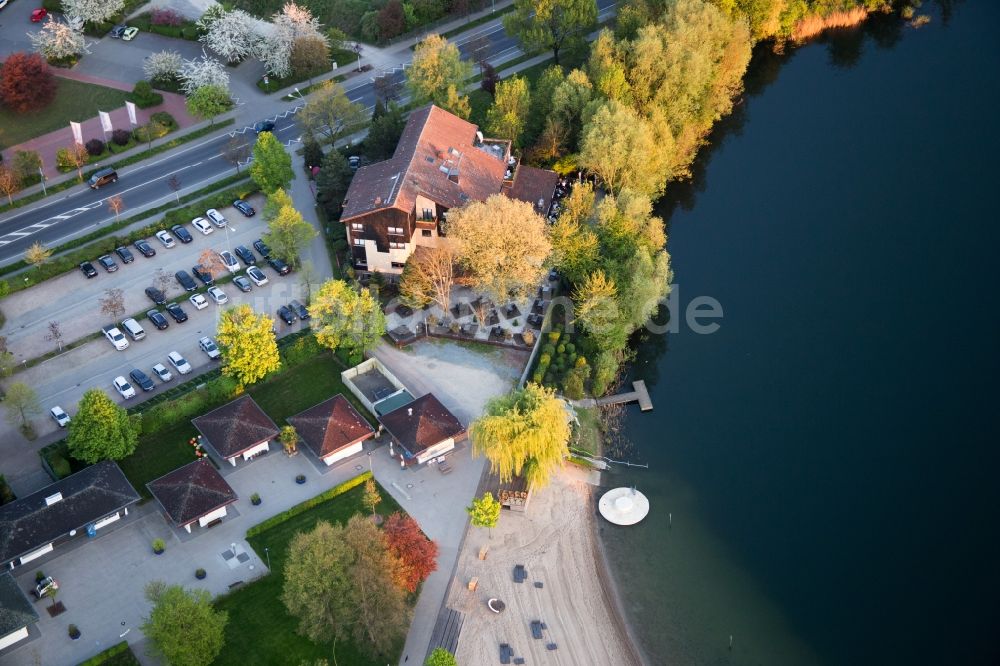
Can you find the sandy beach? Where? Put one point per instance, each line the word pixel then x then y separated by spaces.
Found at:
pixel 556 542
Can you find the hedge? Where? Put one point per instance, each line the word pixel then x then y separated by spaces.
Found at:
pixel 309 504
pixel 119 655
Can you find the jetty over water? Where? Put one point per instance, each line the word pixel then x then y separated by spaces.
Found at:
pixel 637 394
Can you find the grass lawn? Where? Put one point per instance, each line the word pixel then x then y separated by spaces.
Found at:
pixel 74 101
pixel 588 436
pixel 260 630
pixel 283 395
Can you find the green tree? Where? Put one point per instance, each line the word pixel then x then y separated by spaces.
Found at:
pixel 569 99
pixel 551 24
pixel 511 108
pixel 7 360
pixel 329 113
pixel 183 624
pixel 541 98
pixel 339 582
pixel 208 102
pixel 332 182
pixel 525 431
pixel 27 164
pixel 596 307
pixel 343 318
pixel 272 166
pixel 246 340
pixel 437 74
pixel 21 403
pixel 384 133
pixel 611 141
pixel 101 430
pixel 440 657
pixel 484 511
pixel 288 234
pixel 371 498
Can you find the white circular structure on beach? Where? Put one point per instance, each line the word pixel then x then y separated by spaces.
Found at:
pixel 624 506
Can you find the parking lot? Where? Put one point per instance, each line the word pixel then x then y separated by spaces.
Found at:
pixel 74 301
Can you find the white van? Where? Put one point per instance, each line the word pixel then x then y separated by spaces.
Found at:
pixel 133 329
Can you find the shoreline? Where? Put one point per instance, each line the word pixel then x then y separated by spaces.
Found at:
pixel 609 585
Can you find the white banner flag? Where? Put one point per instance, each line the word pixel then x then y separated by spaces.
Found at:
pixel 77 132
pixel 105 120
pixel 131 113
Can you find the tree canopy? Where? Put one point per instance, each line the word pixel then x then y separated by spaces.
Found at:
pixel 484 511
pixel 208 102
pixel 272 165
pixel 101 430
pixel 416 553
pixel 329 112
pixel 428 277
pixel 502 243
pixel 184 625
pixel 246 340
pixel 288 234
pixel 440 657
pixel 437 74
pixel 523 432
pixel 551 24
pixel 344 318
pixel 27 83
pixel 508 116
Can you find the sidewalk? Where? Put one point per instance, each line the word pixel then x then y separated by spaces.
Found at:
pixel 47 145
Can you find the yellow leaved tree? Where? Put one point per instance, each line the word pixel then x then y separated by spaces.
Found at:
pixel 249 349
pixel 344 318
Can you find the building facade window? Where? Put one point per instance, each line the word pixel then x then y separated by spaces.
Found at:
pixel 426 233
pixel 398 264
pixel 397 246
pixel 427 214
pixel 396 231
pixel 359 241
pixel 357 226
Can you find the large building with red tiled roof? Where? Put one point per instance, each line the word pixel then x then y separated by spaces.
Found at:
pixel 441 162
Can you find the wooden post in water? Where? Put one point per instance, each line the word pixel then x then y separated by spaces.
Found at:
pixel 730 642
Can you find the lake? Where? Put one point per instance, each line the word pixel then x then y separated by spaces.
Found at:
pixel 823 468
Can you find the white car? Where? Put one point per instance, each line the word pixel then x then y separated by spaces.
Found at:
pixel 124 388
pixel 165 238
pixel 179 362
pixel 217 295
pixel 208 346
pixel 202 225
pixel 231 263
pixel 198 301
pixel 216 217
pixel 162 373
pixel 256 275
pixel 59 416
pixel 115 337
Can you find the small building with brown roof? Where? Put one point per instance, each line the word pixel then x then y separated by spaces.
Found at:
pixel 194 493
pixel 239 429
pixel 441 162
pixel 423 429
pixel 333 429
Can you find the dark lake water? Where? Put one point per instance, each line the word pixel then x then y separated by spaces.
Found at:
pixel 824 469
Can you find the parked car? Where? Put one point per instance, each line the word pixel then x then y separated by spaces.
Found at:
pixel 263 249
pixel 144 248
pixel 300 310
pixel 59 416
pixel 183 235
pixel 124 32
pixel 279 266
pixel 185 280
pixel 217 295
pixel 264 126
pixel 107 263
pixel 215 217
pixel 257 276
pixel 198 301
pixel 157 318
pixel 162 373
pixel 141 379
pixel 165 238
pixel 244 208
pixel 44 585
pixel 202 225
pixel 202 274
pixel 133 329
pixel 38 15
pixel 123 387
pixel 124 254
pixel 208 346
pixel 179 362
pixel 242 283
pixel 245 254
pixel 177 313
pixel 354 162
pixel 230 262
pixel 286 315
pixel 88 269
pixel 155 295
pixel 115 337
pixel 102 177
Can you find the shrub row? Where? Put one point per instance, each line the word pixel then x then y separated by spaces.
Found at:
pixel 161 22
pixel 118 655
pixel 309 504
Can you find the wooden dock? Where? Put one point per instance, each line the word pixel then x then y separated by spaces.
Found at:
pixel 637 394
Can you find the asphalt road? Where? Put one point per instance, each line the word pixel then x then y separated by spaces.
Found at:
pixel 82 210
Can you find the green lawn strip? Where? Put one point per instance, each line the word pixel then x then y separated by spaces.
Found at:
pixel 287 392
pixel 588 433
pixel 74 100
pixel 260 630
pixel 70 254
pixel 118 164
